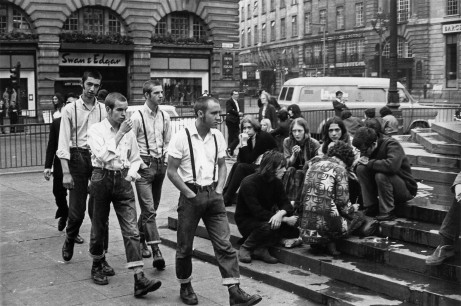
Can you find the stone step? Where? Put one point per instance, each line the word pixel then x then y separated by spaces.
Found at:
pixel 307 284
pixel 422 209
pixel 432 174
pixel 384 279
pixel 436 143
pixel 451 130
pixel 418 156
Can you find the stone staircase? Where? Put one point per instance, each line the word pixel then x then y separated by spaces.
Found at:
pixel 386 270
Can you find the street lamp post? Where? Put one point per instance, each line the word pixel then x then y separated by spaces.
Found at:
pixel 380 25
pixel 324 26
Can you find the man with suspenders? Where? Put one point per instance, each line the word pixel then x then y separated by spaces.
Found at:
pixel 152 128
pixel 73 151
pixel 196 166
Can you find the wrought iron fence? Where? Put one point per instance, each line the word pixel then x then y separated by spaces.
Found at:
pixel 25 145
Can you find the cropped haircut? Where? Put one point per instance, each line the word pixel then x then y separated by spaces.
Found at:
pixel 95 74
pixel 299 121
pixel 370 112
pixel 339 92
pixel 102 94
pixel 282 115
pixel 148 85
pixel 374 124
pixel 343 151
pixel 384 111
pixel 364 137
pixel 251 120
pixel 202 104
pixel 112 97
pixel 270 161
pixel 346 114
pixel 326 137
pixel 232 93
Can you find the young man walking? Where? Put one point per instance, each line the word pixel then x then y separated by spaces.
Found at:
pixel 73 151
pixel 152 128
pixel 115 159
pixel 196 166
pixel 233 114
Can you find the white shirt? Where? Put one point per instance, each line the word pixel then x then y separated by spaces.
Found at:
pixel 85 119
pixel 204 154
pixel 237 105
pixel 105 154
pixel 158 131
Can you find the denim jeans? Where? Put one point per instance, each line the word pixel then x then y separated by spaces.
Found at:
pixel 238 172
pixel 106 187
pixel 391 189
pixel 451 223
pixel 80 168
pixel 208 206
pixel 149 190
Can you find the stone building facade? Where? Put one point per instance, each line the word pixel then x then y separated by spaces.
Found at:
pixel 191 46
pixel 283 39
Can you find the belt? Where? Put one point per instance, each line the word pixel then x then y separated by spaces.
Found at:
pixel 82 150
pixel 120 172
pixel 198 188
pixel 149 159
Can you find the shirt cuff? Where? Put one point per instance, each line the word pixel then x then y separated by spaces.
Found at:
pixel 63 154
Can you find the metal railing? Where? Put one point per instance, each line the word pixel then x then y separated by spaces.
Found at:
pixel 25 145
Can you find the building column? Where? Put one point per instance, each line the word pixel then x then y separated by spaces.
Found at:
pixel 139 72
pixel 47 71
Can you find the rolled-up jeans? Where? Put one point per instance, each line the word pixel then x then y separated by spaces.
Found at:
pixel 149 190
pixel 110 186
pixel 80 168
pixel 451 223
pixel 208 206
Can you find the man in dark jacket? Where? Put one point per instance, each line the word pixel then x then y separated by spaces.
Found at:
pixel 383 170
pixel 233 114
pixel 338 104
pixel 264 213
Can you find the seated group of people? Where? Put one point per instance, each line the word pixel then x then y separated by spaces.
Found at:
pixel 314 192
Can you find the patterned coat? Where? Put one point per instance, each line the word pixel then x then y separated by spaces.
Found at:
pixel 326 206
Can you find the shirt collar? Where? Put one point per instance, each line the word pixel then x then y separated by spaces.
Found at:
pixel 193 130
pixel 149 111
pixel 82 104
pixel 107 124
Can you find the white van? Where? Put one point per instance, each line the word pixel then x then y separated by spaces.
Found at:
pixel 317 93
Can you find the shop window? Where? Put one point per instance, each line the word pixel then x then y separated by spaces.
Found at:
pixel 94 20
pixel 182 25
pixel 13 19
pixel 452 7
pixel 359 14
pixel 340 18
pixel 307 23
pixel 451 61
pixel 308 55
pixel 350 51
pixel 160 28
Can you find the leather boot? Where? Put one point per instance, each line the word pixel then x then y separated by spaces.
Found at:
pixel 263 254
pixel 68 249
pixel 158 262
pixel 143 285
pixel 244 255
pixel 187 294
pixel 239 297
pixel 97 274
pixel 106 269
pixel 145 250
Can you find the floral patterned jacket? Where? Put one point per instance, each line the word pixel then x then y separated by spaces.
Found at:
pixel 326 206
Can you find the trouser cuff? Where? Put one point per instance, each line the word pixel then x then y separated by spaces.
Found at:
pixel 98 257
pixel 185 280
pixel 135 264
pixel 154 242
pixel 230 281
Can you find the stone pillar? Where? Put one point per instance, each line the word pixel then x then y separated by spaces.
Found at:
pixel 47 71
pixel 139 72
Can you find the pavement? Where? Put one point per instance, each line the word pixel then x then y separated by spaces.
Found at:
pixel 32 271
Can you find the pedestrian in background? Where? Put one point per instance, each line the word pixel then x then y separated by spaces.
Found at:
pixel 102 94
pixel 267 110
pixel 233 115
pixel 390 123
pixel 283 129
pixel 13 112
pixel 338 104
pixel 152 128
pixel 294 111
pixel 197 167
pixel 266 125
pixel 2 114
pixel 352 123
pixel 58 103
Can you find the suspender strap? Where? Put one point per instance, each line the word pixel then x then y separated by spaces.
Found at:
pixel 76 121
pixel 145 134
pixel 192 159
pixel 194 175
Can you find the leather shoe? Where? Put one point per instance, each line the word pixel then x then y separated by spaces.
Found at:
pixel 97 274
pixel 143 285
pixel 62 224
pixel 239 297
pixel 263 254
pixel 387 217
pixel 188 295
pixel 158 262
pixel 441 253
pixel 244 255
pixel 106 269
pixel 79 240
pixel 145 250
pixel 68 249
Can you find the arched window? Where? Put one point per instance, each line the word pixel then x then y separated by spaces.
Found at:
pixel 94 20
pixel 12 18
pixel 403 49
pixel 182 25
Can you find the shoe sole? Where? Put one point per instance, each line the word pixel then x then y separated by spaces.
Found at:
pixel 187 302
pixel 102 283
pixel 266 261
pixel 143 292
pixel 79 241
pixel 245 260
pixel 255 300
pixel 159 264
pixel 146 256
pixel 69 257
pixel 108 273
pixel 438 262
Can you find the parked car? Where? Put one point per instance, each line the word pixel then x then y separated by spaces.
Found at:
pixel 177 123
pixel 314 94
